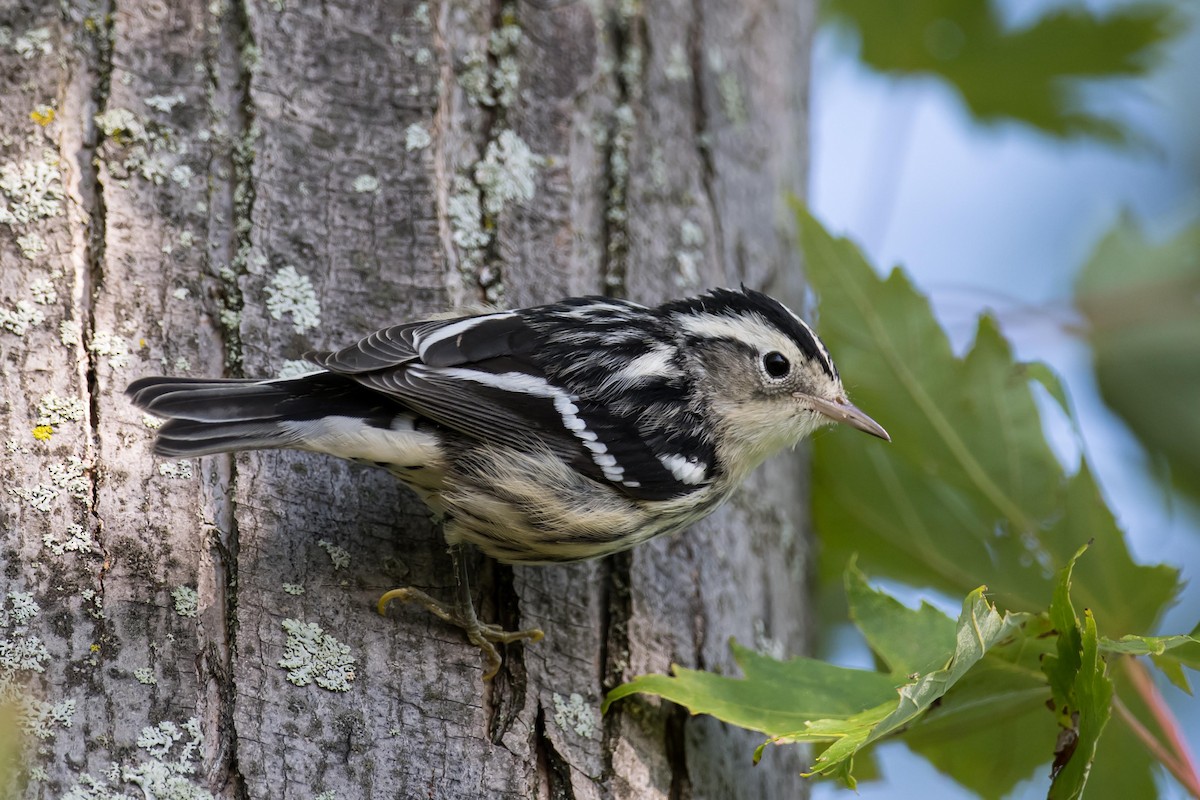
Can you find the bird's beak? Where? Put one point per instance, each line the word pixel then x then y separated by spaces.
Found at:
pixel 842 410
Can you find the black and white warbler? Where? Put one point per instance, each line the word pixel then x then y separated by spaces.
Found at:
pixel 548 434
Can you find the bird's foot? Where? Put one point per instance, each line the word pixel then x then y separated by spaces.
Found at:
pixel 485 636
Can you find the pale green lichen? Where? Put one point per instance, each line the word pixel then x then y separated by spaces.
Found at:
pixel 366 184
pixel 121 125
pixel 691 234
pixel 153 423
pixel 690 256
pixel 312 656
pixel 164 102
pixel 55 410
pixel 22 655
pixel 423 56
pixel 466 217
pixel 729 88
pixel 145 675
pixel 72 478
pixel 77 541
pixel 506 78
pixel 180 293
pixel 20 318
pixel 291 293
pixel 678 68
pixel 40 497
pixel 182 174
pixel 338 555
pixel 507 172
pixel 70 332
pixel 32 43
pixel 187 602
pixel 575 714
pixel 33 190
pixel 160 775
pixel 31 245
pixel 151 148
pixel 768 645
pixel 416 137
pixel 474 80
pixel 294 368
pixel 421 15
pixel 112 346
pixel 44 293
pixel 293 589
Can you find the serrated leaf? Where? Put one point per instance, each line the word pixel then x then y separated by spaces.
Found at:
pixel 907 641
pixel 1144 330
pixel 969 489
pixel 992 730
pixel 806 700
pixel 1169 653
pixel 1031 73
pixel 774 697
pixel 1082 692
pixel 979 628
pixel 1092 701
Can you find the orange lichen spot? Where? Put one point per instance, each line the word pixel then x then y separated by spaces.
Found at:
pixel 42 115
pixel 42 432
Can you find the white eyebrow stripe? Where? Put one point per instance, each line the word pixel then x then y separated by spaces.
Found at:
pixel 424 341
pixel 750 329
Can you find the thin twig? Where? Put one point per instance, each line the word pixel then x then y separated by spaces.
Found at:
pixel 1175 756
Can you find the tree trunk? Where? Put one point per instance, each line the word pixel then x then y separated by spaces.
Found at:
pixel 186 185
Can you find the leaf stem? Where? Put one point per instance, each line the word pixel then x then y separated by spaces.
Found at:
pixel 1175 756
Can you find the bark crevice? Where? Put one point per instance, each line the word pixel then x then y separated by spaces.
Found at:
pixel 702 126
pixel 91 194
pixel 231 205
pixel 554 768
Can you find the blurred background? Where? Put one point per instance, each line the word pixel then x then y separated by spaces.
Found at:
pixel 993 148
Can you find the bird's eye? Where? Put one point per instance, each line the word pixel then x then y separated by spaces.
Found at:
pixel 776 364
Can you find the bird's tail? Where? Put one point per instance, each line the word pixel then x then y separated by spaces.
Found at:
pixel 206 416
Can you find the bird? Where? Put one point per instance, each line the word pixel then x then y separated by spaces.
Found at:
pixel 548 434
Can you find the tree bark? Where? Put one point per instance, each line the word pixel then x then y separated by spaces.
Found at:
pixel 166 163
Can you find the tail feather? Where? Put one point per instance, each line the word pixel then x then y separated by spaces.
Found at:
pixel 322 412
pixel 219 404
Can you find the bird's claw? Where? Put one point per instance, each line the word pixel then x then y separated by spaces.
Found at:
pixel 485 636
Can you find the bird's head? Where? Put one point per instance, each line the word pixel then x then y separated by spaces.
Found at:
pixel 766 377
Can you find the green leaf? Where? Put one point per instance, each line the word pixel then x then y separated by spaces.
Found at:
pixel 774 697
pixel 906 641
pixel 807 700
pixel 1139 301
pixel 992 730
pixel 1091 694
pixel 969 490
pixel 1033 74
pixel 979 628
pixel 1082 693
pixel 1169 653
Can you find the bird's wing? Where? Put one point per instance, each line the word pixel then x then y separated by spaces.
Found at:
pixel 440 342
pixel 486 377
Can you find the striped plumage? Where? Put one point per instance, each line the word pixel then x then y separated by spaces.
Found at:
pixel 553 433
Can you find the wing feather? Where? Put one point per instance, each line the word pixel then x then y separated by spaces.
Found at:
pixel 506 378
